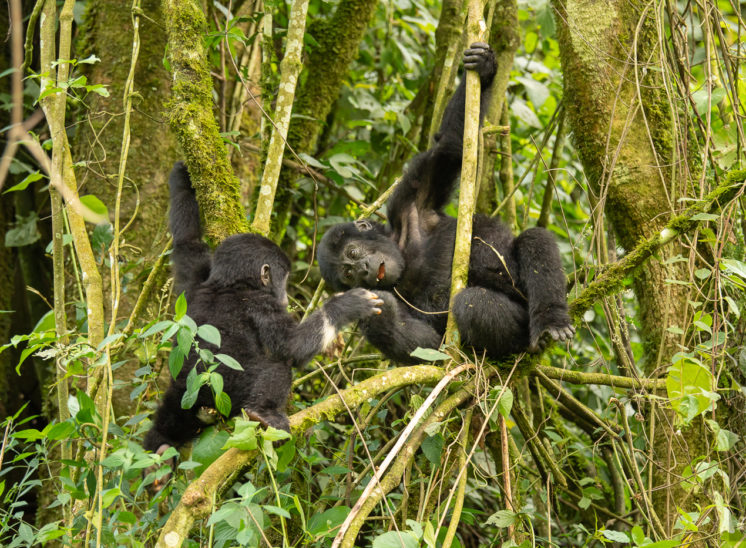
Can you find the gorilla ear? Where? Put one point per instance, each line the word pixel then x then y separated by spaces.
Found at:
pixel 266 276
pixel 363 225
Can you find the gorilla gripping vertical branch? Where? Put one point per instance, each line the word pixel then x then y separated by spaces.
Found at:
pixel 475 28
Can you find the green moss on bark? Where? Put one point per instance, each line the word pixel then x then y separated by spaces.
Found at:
pixel 190 113
pixel 338 42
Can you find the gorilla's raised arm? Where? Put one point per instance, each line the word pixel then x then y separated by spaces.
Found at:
pixel 429 180
pixel 190 255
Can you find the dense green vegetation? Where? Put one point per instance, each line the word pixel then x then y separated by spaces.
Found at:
pixel 623 135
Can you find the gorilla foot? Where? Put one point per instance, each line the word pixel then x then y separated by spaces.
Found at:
pixel 549 334
pixel 275 420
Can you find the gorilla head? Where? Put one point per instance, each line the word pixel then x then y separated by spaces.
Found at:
pixel 359 254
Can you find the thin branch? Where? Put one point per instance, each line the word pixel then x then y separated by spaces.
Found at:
pixel 290 69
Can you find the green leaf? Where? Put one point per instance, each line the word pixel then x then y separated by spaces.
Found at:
pixel 506 403
pixel 99 89
pixel 209 334
pixel 615 536
pixel 94 204
pixel 326 522
pixel 432 447
pixel 31 178
pixel 688 384
pixel 502 519
pixel 60 431
pixel 275 434
pixel 228 361
pixel 208 447
pixel 638 535
pixel 724 439
pixel 244 436
pixel 276 510
pixel 223 403
pixel 180 307
pixel 109 496
pixel 216 382
pixel 175 362
pixel 157 328
pixel 184 339
pixel 733 266
pixel 24 231
pixel 429 354
pixel 396 539
pixel 705 217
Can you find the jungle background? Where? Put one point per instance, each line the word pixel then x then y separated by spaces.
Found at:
pixel 618 125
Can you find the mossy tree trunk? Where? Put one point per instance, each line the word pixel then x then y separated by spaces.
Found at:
pixel 621 123
pixel 338 41
pixel 107 32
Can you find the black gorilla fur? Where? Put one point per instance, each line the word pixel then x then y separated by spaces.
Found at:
pixel 516 296
pixel 241 291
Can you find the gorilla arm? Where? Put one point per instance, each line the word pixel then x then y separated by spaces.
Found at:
pixel 190 255
pixel 298 343
pixel 396 333
pixel 427 185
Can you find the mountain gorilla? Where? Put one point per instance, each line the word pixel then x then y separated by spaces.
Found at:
pixel 241 291
pixel 516 297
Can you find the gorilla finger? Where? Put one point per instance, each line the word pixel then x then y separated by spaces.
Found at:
pixel 377 311
pixel 482 45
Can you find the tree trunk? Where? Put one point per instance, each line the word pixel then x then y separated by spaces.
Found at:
pixel 338 41
pixel 108 33
pixel 622 130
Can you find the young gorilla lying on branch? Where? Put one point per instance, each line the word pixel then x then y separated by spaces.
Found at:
pixel 241 291
pixel 516 297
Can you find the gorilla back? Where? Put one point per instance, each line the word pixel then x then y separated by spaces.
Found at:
pixel 515 299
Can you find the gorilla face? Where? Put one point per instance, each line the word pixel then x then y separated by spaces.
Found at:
pixel 359 254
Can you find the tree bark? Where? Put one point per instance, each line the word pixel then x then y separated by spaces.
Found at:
pixel 617 109
pixel 338 41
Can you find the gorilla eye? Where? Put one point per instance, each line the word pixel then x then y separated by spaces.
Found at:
pixel 347 272
pixel 363 225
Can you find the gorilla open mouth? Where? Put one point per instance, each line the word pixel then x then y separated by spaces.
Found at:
pixel 381 272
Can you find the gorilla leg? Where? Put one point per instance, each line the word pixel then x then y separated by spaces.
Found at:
pixel 396 333
pixel 172 425
pixel 490 320
pixel 268 396
pixel 543 282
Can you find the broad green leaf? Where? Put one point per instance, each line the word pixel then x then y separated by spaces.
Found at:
pixel 60 431
pixel 223 403
pixel 175 362
pixel 94 204
pixel 327 521
pixel 432 447
pixel 228 361
pixel 216 382
pixel 31 178
pixel 184 339
pixel 109 495
pixel 687 383
pixel 724 439
pixel 180 307
pixel 429 354
pixel 502 519
pixel 208 447
pixel 244 435
pixel 396 539
pixel 209 333
pixel 156 328
pixel 615 536
pixel 275 434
